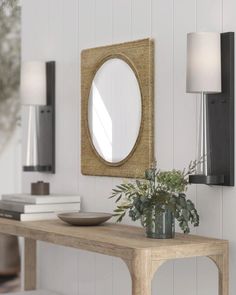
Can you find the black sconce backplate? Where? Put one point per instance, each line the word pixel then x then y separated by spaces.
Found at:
pixel 220 109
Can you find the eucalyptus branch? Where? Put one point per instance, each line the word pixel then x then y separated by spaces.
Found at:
pixel 160 190
pixel 193 166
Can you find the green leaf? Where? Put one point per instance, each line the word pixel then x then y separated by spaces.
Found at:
pixel 118 199
pixel 160 190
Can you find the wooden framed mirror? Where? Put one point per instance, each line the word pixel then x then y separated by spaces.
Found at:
pixel 117 110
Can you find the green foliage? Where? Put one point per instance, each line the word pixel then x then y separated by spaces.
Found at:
pixel 8 3
pixel 10 52
pixel 9 49
pixel 162 190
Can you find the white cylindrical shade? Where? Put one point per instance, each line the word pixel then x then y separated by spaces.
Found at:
pixel 203 62
pixel 33 83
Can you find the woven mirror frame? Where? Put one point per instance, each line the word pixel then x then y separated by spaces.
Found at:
pixel 139 55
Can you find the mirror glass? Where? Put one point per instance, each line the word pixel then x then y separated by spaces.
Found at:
pixel 114 110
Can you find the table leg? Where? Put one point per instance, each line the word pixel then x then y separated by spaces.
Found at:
pixel 222 262
pixel 140 268
pixel 30 264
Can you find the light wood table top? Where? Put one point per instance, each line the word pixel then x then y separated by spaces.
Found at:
pixel 106 236
pixel 142 255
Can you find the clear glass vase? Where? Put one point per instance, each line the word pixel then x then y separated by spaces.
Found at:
pixel 159 225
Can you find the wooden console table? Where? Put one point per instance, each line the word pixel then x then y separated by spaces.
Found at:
pixel 143 256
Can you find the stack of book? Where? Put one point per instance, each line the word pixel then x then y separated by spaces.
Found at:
pixel 31 207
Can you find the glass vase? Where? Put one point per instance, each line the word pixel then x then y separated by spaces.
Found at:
pixel 160 225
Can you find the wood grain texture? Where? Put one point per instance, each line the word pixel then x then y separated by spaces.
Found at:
pixel 140 268
pixel 139 56
pixel 30 264
pixel 113 239
pixel 143 256
pixel 222 262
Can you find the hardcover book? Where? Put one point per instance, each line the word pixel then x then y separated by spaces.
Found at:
pixel 48 199
pixel 37 208
pixel 28 216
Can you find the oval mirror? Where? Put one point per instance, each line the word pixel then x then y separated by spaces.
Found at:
pixel 114 110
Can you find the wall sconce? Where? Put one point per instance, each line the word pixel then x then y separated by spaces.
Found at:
pixel 210 72
pixel 38 93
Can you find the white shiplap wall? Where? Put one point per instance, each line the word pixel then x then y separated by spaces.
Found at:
pixel 59 30
pixel 10 164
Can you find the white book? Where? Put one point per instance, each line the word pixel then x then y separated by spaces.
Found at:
pixel 28 216
pixel 49 199
pixel 36 292
pixel 38 208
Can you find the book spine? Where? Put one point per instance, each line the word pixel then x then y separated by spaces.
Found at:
pixel 10 214
pixel 34 208
pixel 41 199
pixel 19 200
pixel 12 207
